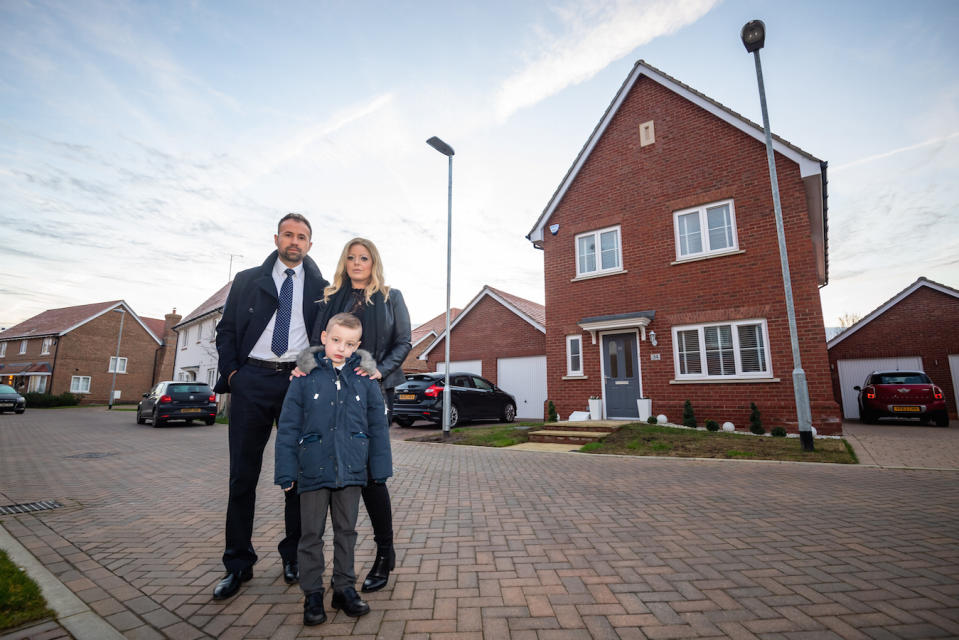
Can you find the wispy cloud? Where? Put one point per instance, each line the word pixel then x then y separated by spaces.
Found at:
pixel 596 35
pixel 893 152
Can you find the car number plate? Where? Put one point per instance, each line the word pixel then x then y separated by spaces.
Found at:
pixel 197 410
pixel 6 404
pixel 907 409
pixel 407 396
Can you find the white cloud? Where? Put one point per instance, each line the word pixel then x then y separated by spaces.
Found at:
pixel 597 35
pixel 893 152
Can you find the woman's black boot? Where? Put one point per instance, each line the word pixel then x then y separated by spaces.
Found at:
pixel 379 575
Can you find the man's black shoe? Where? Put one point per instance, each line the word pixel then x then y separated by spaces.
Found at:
pixel 379 575
pixel 291 571
pixel 349 601
pixel 313 612
pixel 228 586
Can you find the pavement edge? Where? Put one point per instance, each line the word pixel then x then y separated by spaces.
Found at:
pixel 72 612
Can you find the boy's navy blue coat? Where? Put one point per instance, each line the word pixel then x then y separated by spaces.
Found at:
pixel 326 437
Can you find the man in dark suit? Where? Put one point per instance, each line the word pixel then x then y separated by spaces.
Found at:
pixel 266 321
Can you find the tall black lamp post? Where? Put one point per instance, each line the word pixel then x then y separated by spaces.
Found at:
pixel 754 37
pixel 447 151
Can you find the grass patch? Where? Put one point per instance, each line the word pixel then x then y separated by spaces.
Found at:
pixel 20 598
pixel 484 435
pixel 641 439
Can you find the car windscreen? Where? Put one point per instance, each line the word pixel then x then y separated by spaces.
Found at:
pixel 5 388
pixel 901 377
pixel 189 388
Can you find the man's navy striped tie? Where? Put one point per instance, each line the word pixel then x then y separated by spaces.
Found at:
pixel 281 330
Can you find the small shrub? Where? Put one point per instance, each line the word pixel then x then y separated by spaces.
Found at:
pixel 712 425
pixel 590 446
pixel 689 418
pixel 551 415
pixel 778 432
pixel 755 421
pixel 651 420
pixel 35 399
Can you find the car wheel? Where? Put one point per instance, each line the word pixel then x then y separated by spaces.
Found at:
pixel 509 413
pixel 867 417
pixel 942 419
pixel 22 410
pixel 140 419
pixel 454 416
pixel 156 419
pixel 403 422
pixel 210 421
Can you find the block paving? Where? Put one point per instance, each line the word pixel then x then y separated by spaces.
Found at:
pixel 497 544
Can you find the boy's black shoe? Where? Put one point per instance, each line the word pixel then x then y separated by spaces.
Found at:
pixel 291 571
pixel 350 602
pixel 228 586
pixel 313 611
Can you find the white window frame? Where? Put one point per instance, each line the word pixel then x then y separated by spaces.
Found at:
pixel 45 346
pixel 706 251
pixel 23 347
pixel 80 384
pixel 113 362
pixel 570 371
pixel 599 270
pixel 737 354
pixel 3 349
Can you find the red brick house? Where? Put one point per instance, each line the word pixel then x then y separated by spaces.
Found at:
pixel 662 268
pixel 501 337
pixel 75 349
pixel 422 337
pixel 918 328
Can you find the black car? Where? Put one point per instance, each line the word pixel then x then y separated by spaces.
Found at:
pixel 10 400
pixel 471 398
pixel 177 401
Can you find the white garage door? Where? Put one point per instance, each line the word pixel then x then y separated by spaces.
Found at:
pixel 854 372
pixel 463 366
pixel 525 379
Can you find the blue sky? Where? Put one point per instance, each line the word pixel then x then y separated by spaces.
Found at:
pixel 142 143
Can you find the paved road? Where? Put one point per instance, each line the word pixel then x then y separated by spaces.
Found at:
pixel 496 544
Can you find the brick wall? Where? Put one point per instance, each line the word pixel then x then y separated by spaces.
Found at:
pixel 490 331
pixel 924 323
pixel 86 351
pixel 696 159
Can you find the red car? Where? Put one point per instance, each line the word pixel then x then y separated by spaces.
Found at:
pixel 901 394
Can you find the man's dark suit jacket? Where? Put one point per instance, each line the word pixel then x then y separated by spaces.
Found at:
pixel 250 305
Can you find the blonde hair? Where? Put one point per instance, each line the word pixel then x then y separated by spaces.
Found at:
pixel 346 320
pixel 341 277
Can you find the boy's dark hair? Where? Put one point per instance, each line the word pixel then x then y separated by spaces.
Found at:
pixel 299 217
pixel 345 319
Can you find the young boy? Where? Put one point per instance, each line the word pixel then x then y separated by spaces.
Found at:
pixel 332 427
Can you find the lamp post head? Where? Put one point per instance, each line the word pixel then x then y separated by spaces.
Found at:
pixel 440 146
pixel 753 35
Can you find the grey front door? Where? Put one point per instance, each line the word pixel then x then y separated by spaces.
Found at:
pixel 621 375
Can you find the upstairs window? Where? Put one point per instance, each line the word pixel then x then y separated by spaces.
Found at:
pixel 45 346
pixel 729 350
pixel 598 252
pixel 3 349
pixel 122 368
pixel 705 230
pixel 23 347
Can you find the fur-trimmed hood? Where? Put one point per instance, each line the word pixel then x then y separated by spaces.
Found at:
pixel 307 359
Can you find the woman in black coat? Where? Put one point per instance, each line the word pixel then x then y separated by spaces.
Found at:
pixel 358 288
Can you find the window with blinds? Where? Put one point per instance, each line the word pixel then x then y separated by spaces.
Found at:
pixel 722 350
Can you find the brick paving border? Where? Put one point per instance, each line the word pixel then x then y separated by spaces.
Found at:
pixel 497 544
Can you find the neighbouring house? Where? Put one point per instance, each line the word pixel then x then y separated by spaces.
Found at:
pixel 918 328
pixel 76 349
pixel 662 266
pixel 501 337
pixel 422 337
pixel 196 354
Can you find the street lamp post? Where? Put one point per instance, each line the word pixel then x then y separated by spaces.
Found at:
pixel 447 151
pixel 116 362
pixel 753 36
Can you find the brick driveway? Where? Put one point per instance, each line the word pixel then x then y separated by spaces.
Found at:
pixel 498 544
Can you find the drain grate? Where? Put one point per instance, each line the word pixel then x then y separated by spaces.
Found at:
pixel 93 454
pixel 43 505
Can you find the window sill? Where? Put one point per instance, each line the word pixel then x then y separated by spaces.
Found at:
pixel 602 274
pixel 723 380
pixel 579 377
pixel 706 257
